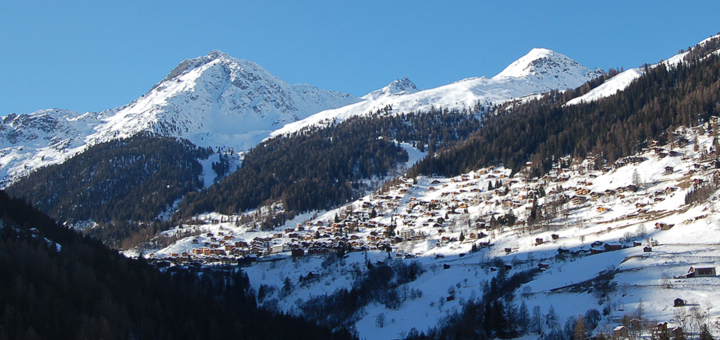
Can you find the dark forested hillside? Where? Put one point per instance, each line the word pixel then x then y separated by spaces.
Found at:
pixel 56 284
pixel 132 179
pixel 321 167
pixel 610 128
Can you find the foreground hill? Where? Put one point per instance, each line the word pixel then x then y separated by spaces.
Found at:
pixel 55 284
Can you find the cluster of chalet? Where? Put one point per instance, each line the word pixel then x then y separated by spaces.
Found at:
pixel 673 330
pixel 395 216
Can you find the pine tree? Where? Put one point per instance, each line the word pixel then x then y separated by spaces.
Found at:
pixel 705 333
pixel 524 318
pixel 551 319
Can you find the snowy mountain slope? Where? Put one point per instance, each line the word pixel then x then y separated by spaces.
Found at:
pixel 622 80
pixel 437 221
pixel 232 100
pixel 541 70
pixel 214 101
pixel 396 88
pixel 609 87
pixel 28 141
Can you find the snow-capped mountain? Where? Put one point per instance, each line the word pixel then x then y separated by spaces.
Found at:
pixel 396 88
pixel 221 102
pixel 539 71
pixel 213 101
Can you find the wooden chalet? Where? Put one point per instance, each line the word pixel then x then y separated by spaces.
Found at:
pixel 700 272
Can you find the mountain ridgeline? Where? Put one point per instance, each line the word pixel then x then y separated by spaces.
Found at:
pixel 608 129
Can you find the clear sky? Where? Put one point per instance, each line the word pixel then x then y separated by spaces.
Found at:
pixel 96 55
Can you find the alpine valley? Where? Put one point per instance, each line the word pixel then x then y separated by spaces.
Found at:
pixel 550 201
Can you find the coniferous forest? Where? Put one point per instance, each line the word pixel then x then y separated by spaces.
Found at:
pixel 322 167
pixel 56 284
pixel 133 179
pixel 608 129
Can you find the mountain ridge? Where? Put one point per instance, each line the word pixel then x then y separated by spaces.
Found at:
pixel 230 104
pixel 530 75
pixel 214 101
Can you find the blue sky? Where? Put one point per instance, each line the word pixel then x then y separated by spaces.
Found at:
pixel 96 55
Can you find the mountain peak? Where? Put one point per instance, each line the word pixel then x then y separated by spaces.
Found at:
pixel 539 61
pixel 552 69
pixel 215 55
pixel 397 87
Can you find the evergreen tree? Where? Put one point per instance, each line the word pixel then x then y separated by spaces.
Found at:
pixel 551 319
pixel 705 333
pixel 524 318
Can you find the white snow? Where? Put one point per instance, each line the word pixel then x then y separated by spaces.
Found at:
pixel 613 85
pixel 539 71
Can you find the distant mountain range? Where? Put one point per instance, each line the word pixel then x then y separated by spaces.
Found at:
pixel 225 103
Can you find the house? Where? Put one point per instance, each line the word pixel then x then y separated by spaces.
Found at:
pixel 596 250
pixel 612 246
pixel 663 226
pixel 678 303
pixel 407 233
pixel 668 170
pixel 310 276
pixel 538 241
pixel 647 249
pixel 620 332
pixel 579 200
pixel 298 253
pixel 700 272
